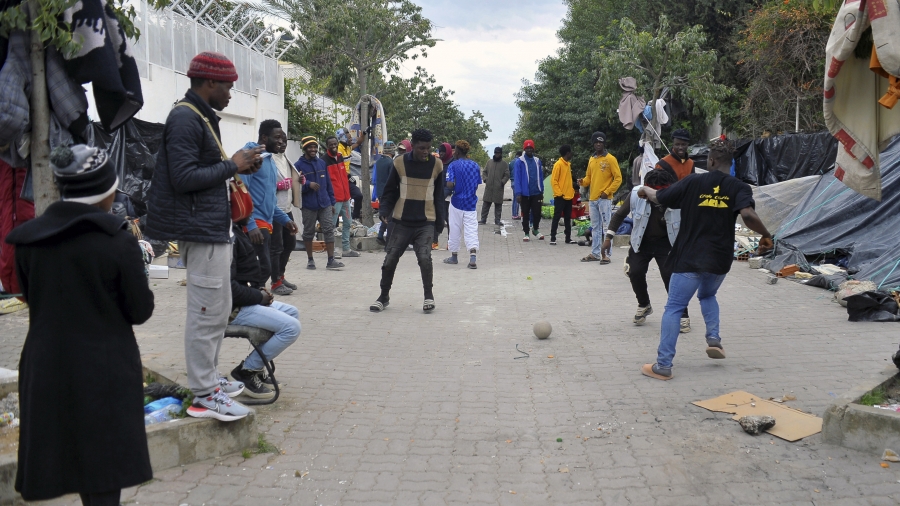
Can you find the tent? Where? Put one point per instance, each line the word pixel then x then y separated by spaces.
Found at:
pixel 832 218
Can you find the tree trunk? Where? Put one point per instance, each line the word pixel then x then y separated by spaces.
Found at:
pixel 365 151
pixel 45 191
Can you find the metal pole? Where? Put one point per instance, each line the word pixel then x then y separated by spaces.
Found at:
pixel 797 116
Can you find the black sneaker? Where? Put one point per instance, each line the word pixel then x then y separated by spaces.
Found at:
pixel 264 376
pixel 288 284
pixel 253 383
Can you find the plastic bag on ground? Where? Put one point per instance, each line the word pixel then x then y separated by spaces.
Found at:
pixel 872 306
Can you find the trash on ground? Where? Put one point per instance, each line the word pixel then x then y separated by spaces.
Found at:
pixel 755 425
pixel 890 456
pixel 793 424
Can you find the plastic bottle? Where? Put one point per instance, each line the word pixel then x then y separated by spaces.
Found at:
pixel 162 415
pixel 160 403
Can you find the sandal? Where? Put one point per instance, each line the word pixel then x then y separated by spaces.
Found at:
pixel 379 306
pixel 647 370
pixel 472 265
pixel 451 260
pixel 590 258
pixel 604 261
pixel 428 306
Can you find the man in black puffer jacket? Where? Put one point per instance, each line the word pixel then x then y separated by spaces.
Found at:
pixel 188 202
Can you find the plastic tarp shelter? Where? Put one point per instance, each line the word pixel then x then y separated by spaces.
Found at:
pixel 770 160
pixel 832 217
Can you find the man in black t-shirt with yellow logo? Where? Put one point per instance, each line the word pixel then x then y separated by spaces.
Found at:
pixel 704 249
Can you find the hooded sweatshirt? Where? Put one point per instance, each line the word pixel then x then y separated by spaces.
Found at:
pixel 338 174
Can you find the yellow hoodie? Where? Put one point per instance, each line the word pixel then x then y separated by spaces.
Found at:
pixel 603 176
pixel 561 179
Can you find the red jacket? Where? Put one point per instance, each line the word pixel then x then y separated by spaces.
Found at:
pixel 338 172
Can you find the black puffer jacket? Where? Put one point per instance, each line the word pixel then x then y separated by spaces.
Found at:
pixel 188 198
pixel 244 272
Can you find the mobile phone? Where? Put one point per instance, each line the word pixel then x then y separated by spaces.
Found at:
pixel 265 155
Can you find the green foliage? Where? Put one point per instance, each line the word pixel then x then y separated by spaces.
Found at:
pixel 659 60
pixel 418 102
pixel 49 21
pixel 367 36
pixel 876 396
pixel 304 118
pixel 780 51
pixel 263 446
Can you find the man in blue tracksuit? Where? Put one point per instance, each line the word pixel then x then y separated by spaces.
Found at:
pixel 528 187
pixel 262 187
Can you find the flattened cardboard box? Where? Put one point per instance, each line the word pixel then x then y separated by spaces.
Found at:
pixel 790 424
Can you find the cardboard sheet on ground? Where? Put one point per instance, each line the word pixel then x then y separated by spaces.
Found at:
pixel 790 424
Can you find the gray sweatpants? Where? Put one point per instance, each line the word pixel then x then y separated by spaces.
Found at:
pixel 208 307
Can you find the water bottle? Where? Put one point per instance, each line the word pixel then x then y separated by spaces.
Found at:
pixel 160 403
pixel 162 415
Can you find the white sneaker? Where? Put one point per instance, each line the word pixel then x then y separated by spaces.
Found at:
pixel 219 406
pixel 230 388
pixel 640 316
pixel 12 305
pixel 685 325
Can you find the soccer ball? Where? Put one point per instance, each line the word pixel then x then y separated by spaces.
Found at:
pixel 542 329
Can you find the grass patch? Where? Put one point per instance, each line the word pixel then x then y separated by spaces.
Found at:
pixel 876 396
pixel 262 446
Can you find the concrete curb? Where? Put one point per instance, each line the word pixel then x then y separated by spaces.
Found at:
pixel 863 428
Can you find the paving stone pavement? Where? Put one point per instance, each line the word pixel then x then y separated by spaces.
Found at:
pixel 410 408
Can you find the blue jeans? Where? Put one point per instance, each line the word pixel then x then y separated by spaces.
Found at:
pixel 601 213
pixel 682 288
pixel 515 209
pixel 342 209
pixel 282 319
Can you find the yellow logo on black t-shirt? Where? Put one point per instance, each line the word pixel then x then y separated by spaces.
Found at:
pixel 714 200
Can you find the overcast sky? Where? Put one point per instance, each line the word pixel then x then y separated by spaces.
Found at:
pixel 486 48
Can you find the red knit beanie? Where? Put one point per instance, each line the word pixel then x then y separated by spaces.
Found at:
pixel 213 66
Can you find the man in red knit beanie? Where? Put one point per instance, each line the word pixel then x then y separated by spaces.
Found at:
pixel 188 203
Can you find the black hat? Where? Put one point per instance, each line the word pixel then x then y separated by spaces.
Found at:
pixel 682 134
pixel 83 174
pixel 598 136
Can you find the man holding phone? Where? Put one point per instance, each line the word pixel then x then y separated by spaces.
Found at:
pixel 188 203
pixel 263 187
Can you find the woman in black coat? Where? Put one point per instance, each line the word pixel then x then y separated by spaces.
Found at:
pixel 80 379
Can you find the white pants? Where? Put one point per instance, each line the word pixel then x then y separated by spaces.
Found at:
pixel 462 222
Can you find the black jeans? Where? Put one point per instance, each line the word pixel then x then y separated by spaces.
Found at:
pixel 562 208
pixel 356 195
pixel 531 209
pixel 262 253
pixel 102 499
pixel 399 238
pixel 639 262
pixel 280 249
pixel 486 207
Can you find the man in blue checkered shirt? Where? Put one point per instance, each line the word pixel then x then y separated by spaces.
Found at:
pixel 463 177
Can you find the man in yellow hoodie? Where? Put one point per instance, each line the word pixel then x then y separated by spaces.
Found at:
pixel 563 193
pixel 604 178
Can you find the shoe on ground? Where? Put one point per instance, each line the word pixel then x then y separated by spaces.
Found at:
pixel 498 222
pixel 582 242
pixel 452 259
pixel 311 264
pixel 351 254
pixel 219 406
pixel 685 325
pixel 640 316
pixel 714 348
pixel 538 234
pixel 526 239
pixel 379 305
pixel 288 283
pixel 517 217
pixel 264 376
pixel 553 242
pixel 253 383
pixel 334 265
pixel 472 265
pixel 12 305
pixel 482 223
pixel 657 372
pixel 435 246
pixel 230 388
pixel 282 289
pixel 338 255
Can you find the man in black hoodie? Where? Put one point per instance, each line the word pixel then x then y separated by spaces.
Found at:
pixel 254 306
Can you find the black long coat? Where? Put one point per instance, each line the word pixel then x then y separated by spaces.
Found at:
pixel 80 380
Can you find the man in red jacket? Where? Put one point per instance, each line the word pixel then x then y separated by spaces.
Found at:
pixel 338 172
